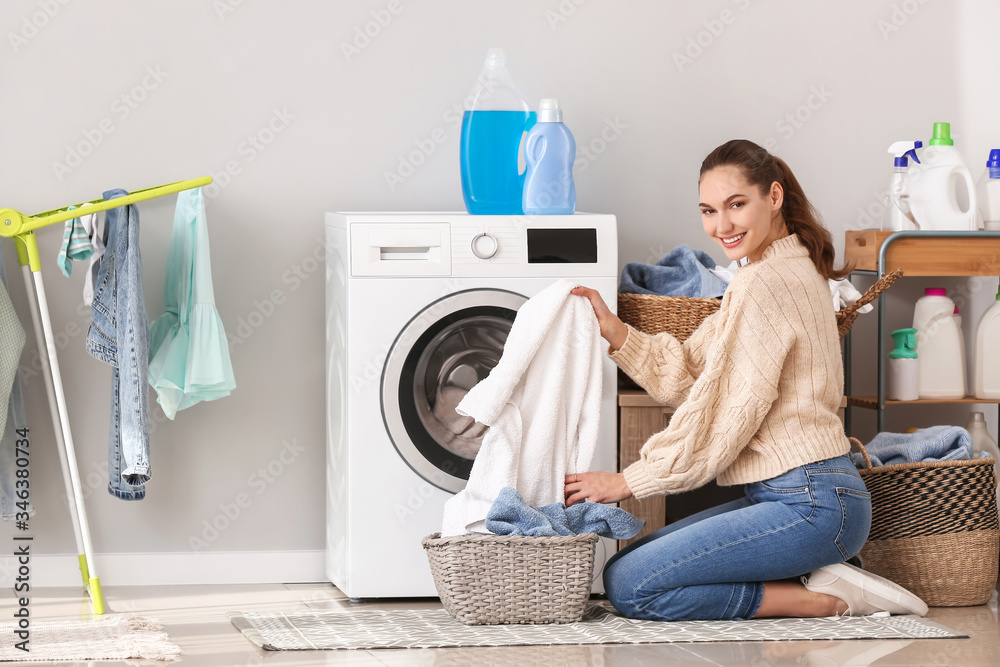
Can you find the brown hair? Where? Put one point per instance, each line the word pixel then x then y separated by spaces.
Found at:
pixel 800 217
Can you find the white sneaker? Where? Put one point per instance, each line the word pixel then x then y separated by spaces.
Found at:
pixel 865 593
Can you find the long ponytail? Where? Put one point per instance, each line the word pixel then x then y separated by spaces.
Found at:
pixel 762 169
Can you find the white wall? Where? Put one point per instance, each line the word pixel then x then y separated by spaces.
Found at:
pixel 180 89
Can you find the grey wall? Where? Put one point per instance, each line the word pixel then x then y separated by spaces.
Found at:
pixel 295 111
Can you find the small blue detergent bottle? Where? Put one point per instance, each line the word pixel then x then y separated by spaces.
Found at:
pixel 494 122
pixel 549 151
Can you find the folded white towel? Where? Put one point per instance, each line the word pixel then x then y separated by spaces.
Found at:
pixel 542 403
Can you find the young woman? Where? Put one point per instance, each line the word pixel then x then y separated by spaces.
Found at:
pixel 757 389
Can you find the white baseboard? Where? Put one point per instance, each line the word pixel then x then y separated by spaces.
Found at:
pixel 151 569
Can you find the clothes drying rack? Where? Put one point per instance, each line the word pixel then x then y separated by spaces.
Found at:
pixel 21 228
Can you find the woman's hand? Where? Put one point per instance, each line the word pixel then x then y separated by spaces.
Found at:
pixel 613 329
pixel 598 487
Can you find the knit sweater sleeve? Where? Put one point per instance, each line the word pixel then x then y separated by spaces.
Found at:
pixel 727 402
pixel 662 365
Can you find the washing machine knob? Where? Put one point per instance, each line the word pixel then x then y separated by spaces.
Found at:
pixel 484 245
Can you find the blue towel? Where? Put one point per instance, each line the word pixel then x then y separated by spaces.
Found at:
pixel 511 515
pixel 682 272
pixel 936 443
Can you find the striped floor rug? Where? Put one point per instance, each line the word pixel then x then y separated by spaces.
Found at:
pixel 434 628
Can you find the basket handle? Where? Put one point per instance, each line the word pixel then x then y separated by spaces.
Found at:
pixel 872 293
pixel 864 452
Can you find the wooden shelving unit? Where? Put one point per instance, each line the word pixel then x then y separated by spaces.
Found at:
pixel 931 253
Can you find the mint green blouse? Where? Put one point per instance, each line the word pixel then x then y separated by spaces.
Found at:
pixel 188 351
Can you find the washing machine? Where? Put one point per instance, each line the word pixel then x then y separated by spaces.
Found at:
pixel 418 308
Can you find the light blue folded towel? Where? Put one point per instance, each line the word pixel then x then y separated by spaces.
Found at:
pixel 76 245
pixel 936 443
pixel 682 272
pixel 511 515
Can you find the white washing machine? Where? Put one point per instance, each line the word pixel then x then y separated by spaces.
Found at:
pixel 418 309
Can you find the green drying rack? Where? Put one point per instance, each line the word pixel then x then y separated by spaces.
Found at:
pixel 21 228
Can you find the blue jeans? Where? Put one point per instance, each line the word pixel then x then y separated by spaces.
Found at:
pixel 119 336
pixel 713 565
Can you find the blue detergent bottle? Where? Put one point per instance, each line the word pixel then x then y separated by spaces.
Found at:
pixel 492 128
pixel 549 151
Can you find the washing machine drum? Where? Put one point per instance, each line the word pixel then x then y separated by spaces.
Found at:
pixel 444 351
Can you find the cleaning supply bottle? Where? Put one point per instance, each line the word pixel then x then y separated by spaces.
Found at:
pixel 942 191
pixel 493 125
pixel 897 215
pixel 982 442
pixel 549 151
pixel 961 347
pixel 989 192
pixel 986 363
pixel 941 363
pixel 903 367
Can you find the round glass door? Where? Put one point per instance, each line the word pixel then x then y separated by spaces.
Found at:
pixel 437 358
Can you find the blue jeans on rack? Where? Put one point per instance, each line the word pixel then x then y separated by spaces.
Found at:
pixel 119 336
pixel 713 565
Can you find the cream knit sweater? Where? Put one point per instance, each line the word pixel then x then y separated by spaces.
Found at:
pixel 757 386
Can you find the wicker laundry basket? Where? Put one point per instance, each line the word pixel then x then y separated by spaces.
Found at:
pixel 680 316
pixel 935 529
pixel 485 579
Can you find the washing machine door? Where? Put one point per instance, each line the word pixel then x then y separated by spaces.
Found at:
pixel 444 351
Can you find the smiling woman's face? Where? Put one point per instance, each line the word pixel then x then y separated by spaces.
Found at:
pixel 737 215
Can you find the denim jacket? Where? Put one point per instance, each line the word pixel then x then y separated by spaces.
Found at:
pixel 119 336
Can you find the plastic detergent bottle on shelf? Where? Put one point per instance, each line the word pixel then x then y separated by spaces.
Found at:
pixel 549 151
pixel 897 215
pixel 961 344
pixel 940 357
pixel 903 369
pixel 495 119
pixel 942 192
pixel 986 362
pixel 989 192
pixel 982 442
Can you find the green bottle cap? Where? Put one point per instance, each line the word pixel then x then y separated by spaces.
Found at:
pixel 942 135
pixel 906 344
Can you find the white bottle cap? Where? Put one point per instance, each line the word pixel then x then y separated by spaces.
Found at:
pixel 549 111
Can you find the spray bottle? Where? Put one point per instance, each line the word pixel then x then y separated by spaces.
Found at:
pixel 904 384
pixel 897 211
pixel 942 191
pixel 989 192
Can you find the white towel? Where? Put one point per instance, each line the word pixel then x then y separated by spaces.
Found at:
pixel 844 294
pixel 542 403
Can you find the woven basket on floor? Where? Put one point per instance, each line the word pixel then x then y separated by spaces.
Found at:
pixel 935 529
pixel 680 316
pixel 487 579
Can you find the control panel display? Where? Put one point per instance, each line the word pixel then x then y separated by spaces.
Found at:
pixel 562 246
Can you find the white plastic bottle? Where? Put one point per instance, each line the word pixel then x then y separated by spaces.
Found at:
pixel 961 344
pixel 942 191
pixel 982 442
pixel 897 216
pixel 940 357
pixel 986 363
pixel 904 379
pixel 989 192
